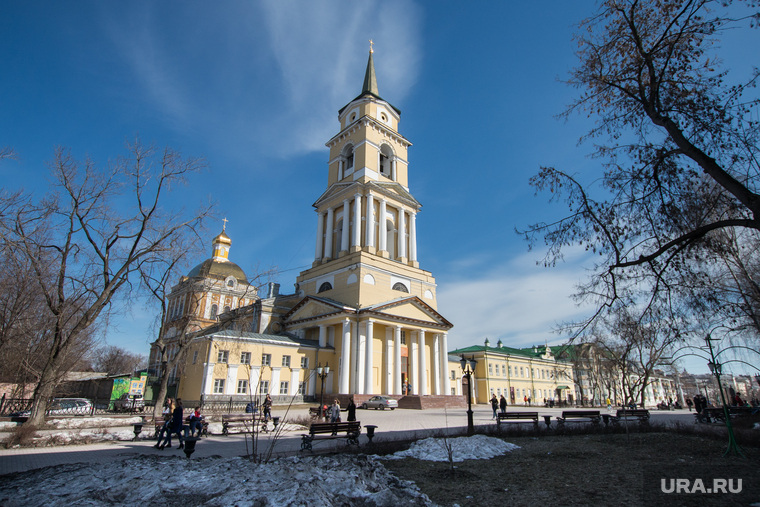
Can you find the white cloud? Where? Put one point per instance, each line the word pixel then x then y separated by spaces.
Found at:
pixel 517 302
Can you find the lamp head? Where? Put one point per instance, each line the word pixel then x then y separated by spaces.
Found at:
pixel 473 363
pixel 463 362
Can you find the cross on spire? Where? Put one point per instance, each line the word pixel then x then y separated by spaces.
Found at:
pixel 224 227
pixel 371 43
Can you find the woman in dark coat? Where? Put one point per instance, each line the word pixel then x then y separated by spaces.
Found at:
pixel 351 410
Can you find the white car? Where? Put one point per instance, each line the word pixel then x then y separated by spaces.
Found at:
pixel 129 403
pixel 380 402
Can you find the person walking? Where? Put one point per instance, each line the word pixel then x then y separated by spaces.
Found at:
pixel 494 405
pixel 609 404
pixel 334 412
pixel 351 409
pixel 689 403
pixel 503 404
pixel 167 415
pixel 267 408
pixel 175 426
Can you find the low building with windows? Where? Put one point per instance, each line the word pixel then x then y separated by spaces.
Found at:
pixel 517 374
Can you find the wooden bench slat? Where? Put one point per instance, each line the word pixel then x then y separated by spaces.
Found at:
pixel 351 428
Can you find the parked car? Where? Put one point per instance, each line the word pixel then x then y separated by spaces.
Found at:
pixel 63 406
pixel 380 402
pixel 129 403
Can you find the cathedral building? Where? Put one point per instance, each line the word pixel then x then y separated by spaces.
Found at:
pixel 364 308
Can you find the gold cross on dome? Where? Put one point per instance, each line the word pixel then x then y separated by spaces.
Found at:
pixel 371 43
pixel 224 227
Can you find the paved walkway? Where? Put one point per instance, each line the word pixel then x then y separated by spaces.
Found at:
pixel 396 424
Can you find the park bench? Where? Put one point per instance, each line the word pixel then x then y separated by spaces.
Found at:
pixel 592 416
pixel 315 413
pixel 352 429
pixel 155 423
pixel 518 417
pixel 641 415
pixel 244 422
pixel 204 426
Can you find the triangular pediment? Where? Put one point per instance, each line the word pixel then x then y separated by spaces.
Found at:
pixel 312 307
pixel 410 309
pixel 335 190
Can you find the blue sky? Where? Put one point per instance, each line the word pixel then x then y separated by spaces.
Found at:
pixel 254 87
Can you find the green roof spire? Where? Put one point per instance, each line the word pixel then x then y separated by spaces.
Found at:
pixel 370 79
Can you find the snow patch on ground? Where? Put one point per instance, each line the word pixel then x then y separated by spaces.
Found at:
pixel 462 448
pixel 172 480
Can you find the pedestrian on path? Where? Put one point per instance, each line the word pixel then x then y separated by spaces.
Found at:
pixel 494 405
pixel 351 409
pixel 503 404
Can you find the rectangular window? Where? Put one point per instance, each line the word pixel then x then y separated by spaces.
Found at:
pixel 286 361
pixel 284 387
pixel 305 363
pixel 219 386
pixel 223 356
pixel 453 375
pixel 522 373
pixel 245 358
pixel 266 359
pixel 264 387
pixel 195 356
pixel 301 387
pixel 490 369
pixel 503 370
pixel 403 337
pixel 242 387
pixel 510 371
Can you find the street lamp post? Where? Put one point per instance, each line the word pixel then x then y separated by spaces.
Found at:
pixel 468 368
pixel 716 369
pixel 322 373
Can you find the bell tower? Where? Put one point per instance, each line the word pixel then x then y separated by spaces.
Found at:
pixel 366 245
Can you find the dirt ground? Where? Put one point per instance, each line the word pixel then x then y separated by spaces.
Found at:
pixel 598 469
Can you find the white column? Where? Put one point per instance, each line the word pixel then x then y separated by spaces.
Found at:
pixel 207 311
pixel 370 221
pixel 436 364
pixel 231 387
pixel 254 379
pixel 208 384
pixel 413 237
pixel 346 226
pixel 401 233
pixel 352 383
pixel 329 226
pixel 356 239
pixel 320 235
pixel 393 168
pixel 382 228
pixel 397 361
pixel 414 363
pixel 293 387
pixel 388 361
pixel 422 377
pixel 345 358
pixel 368 366
pixel 311 383
pixel 274 384
pixel 341 168
pixel 445 364
pixel 361 358
pixel 322 336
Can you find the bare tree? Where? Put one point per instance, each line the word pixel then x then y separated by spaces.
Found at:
pixel 681 163
pixel 114 360
pixel 85 243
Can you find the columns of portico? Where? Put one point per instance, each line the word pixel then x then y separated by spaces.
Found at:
pixel 422 381
pixel 414 364
pixel 436 364
pixel 397 361
pixel 388 386
pixel 345 358
pixel 361 357
pixel 445 363
pixel 368 370
pixel 352 383
pixel 322 336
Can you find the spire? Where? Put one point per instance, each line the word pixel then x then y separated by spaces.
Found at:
pixel 370 80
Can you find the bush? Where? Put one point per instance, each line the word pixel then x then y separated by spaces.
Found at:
pixel 23 435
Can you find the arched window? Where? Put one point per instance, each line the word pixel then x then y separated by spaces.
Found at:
pixel 386 160
pixel 348 159
pixel 400 287
pixel 230 283
pixel 214 311
pixel 226 309
pixel 325 286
